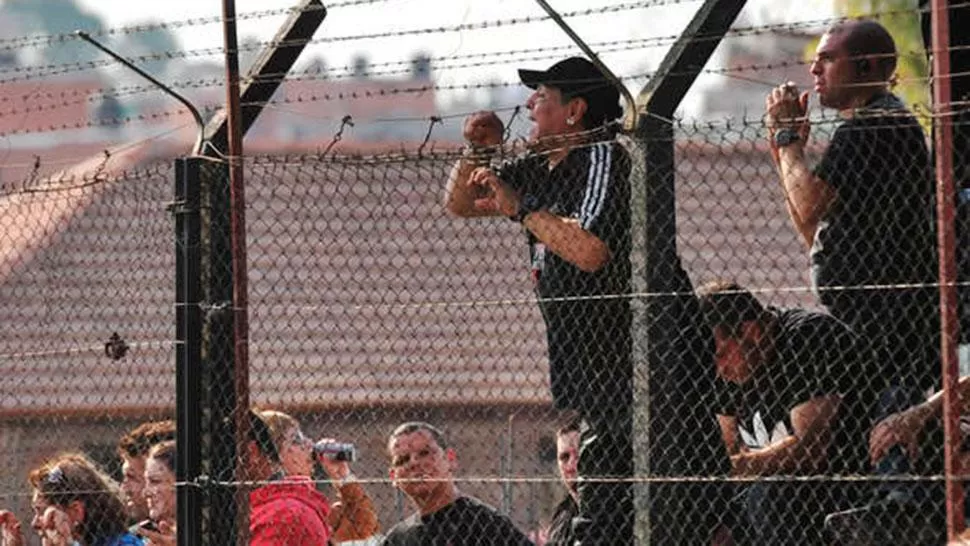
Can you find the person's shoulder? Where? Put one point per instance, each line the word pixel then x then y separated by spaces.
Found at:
pixel 296 501
pixel 527 159
pixel 595 148
pixel 125 539
pixel 490 520
pixel 805 327
pixel 567 506
pixel 796 317
pixel 466 502
pixel 884 111
pixel 480 509
pixel 401 531
pixel 801 322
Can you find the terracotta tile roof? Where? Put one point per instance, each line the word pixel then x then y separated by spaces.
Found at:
pixel 47 104
pixel 363 292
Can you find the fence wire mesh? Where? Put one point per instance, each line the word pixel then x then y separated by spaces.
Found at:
pixel 371 305
pixel 752 366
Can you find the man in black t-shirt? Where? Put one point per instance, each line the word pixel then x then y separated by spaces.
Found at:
pixel 421 466
pixel 867 213
pixel 791 402
pixel 571 193
pixel 866 210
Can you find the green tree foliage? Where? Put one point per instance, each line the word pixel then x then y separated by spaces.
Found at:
pixel 901 18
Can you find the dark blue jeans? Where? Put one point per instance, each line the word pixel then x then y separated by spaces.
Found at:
pixel 789 513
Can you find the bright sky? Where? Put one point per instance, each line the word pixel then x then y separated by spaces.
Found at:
pixel 664 18
pixel 631 20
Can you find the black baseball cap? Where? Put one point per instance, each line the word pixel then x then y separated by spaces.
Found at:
pixel 578 77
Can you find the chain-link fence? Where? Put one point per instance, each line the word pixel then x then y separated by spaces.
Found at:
pixel 371 306
pixel 737 349
pixel 88 331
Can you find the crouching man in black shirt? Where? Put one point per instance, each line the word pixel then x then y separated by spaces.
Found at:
pixel 421 466
pixel 793 400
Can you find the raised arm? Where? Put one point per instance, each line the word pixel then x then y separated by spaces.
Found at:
pixel 807 197
pixel 483 131
pixel 571 238
pixel 353 517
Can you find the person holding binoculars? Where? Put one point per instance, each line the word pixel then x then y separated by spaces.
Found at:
pixel 352 516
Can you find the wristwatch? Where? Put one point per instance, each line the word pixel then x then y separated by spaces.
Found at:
pixel 785 137
pixel 528 205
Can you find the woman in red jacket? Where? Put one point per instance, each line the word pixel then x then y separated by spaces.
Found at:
pixel 353 516
pixel 284 511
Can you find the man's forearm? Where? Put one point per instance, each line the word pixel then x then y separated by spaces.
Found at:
pixel 788 456
pixel 568 240
pixel 806 196
pixel 933 407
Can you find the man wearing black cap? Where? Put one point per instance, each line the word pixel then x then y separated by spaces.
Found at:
pixel 571 194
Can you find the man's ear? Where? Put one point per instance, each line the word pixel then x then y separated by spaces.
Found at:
pixel 452 459
pixel 392 475
pixel 577 108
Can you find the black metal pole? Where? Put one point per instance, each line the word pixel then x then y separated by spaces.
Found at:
pixel 188 348
pixel 678 350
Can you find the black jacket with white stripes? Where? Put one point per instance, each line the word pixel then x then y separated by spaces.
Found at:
pixel 587 314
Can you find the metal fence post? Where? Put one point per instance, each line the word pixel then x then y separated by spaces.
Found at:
pixel 188 352
pixel 946 222
pixel 676 350
pixel 219 355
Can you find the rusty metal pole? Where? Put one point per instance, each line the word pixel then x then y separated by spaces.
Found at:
pixel 240 300
pixel 946 216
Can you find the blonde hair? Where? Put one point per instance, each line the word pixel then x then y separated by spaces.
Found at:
pixel 279 424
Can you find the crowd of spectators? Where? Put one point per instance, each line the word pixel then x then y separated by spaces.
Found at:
pixel 844 393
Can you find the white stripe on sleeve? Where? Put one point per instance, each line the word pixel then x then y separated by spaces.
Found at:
pixel 597 184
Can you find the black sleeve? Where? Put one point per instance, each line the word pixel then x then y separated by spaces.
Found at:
pixel 505 532
pixel 514 172
pixel 606 200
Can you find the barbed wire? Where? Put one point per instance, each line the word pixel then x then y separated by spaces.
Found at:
pixel 33 72
pixel 692 126
pixel 652 42
pixel 81 96
pixel 351 95
pixel 46 41
pixel 18 42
